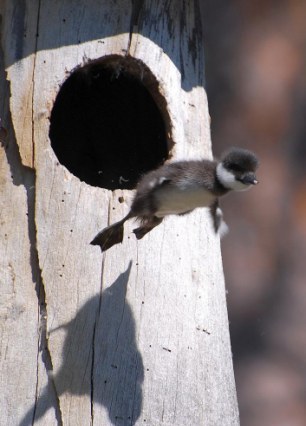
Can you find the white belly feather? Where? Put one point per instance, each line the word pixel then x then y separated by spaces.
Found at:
pixel 181 200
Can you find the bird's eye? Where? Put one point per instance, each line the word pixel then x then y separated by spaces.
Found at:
pixel 236 168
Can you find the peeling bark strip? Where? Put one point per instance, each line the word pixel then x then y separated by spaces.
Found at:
pixel 112 340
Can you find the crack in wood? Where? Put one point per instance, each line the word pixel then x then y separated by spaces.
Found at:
pixel 33 81
pixel 43 347
pixel 136 8
pixel 25 176
pixel 93 342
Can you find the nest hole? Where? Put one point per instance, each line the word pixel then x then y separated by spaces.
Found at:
pixel 109 124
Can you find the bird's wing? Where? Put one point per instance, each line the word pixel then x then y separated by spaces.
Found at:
pixel 220 226
pixel 159 182
pixel 163 180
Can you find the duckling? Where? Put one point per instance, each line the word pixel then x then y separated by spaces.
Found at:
pixel 180 187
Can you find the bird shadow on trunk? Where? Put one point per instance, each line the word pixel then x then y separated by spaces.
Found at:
pixel 100 358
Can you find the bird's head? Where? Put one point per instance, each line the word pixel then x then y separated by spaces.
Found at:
pixel 236 170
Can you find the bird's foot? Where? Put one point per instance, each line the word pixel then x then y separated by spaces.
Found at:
pixel 108 237
pixel 141 232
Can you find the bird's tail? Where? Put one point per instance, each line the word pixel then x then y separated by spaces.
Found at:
pixel 111 235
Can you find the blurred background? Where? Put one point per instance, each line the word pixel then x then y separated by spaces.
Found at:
pixel 256 81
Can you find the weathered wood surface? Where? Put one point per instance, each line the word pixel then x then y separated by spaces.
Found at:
pixel 139 335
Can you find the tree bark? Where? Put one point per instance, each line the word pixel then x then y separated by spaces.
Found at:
pixel 139 334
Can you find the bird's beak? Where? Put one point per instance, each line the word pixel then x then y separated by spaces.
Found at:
pixel 249 179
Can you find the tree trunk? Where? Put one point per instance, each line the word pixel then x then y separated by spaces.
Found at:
pixel 139 334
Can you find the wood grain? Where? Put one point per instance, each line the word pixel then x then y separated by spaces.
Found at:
pixel 140 334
